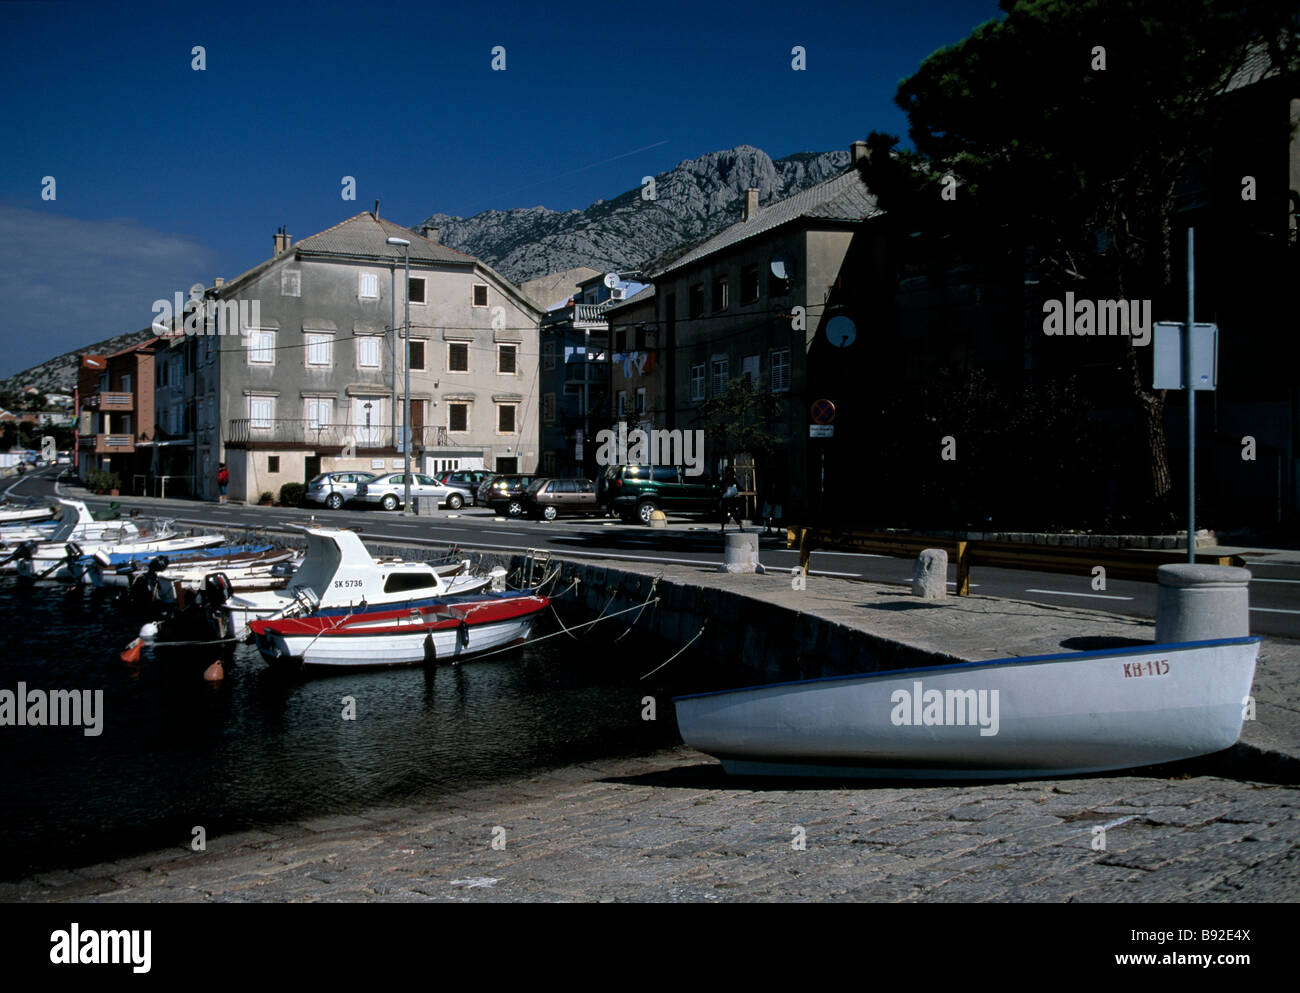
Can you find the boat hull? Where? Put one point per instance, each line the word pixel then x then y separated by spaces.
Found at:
pixel 1030 717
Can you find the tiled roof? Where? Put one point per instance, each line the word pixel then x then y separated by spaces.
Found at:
pixel 366 237
pixel 842 198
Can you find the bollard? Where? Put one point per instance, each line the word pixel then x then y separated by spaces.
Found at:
pixel 1201 603
pixel 741 553
pixel 930 574
pixel 658 519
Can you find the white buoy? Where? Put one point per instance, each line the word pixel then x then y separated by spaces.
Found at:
pixel 149 631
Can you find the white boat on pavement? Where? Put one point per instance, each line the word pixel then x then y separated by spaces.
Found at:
pixel 338 575
pixel 1046 715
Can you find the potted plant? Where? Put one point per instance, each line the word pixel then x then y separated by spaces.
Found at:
pixel 266 499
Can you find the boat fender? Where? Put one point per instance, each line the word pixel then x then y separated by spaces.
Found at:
pixel 463 633
pixel 132 653
pixel 214 673
pixel 430 652
pixel 149 630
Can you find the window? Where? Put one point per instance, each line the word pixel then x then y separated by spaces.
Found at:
pixel 506 359
pixel 319 411
pixel 696 302
pixel 622 402
pixel 369 286
pixel 719 373
pixel 749 284
pixel 640 400
pixel 697 382
pixel 290 283
pixel 368 352
pixel 401 582
pixel 548 407
pixel 780 373
pixel 457 417
pixel 665 474
pixel 548 355
pixel 261 347
pixel 778 277
pixel 273 463
pixel 417 355
pixel 458 356
pixel 415 289
pixel 479 298
pixel 318 349
pixel 260 411
pixel 719 293
pixel 749 369
pixel 506 418
pixel 620 340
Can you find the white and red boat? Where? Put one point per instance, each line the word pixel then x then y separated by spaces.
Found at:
pixel 448 631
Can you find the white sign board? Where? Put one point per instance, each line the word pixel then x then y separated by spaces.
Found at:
pixel 821 430
pixel 1168 359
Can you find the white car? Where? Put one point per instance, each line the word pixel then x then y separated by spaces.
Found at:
pixel 389 491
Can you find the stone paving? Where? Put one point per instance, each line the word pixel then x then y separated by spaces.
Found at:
pixel 672 827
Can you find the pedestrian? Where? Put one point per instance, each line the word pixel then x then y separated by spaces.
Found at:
pixel 771 507
pixel 223 480
pixel 730 499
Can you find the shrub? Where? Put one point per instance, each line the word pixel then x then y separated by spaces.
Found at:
pixel 266 497
pixel 102 481
pixel 291 494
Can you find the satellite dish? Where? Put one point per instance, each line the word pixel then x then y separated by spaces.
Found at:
pixel 841 331
pixel 782 267
pixel 611 279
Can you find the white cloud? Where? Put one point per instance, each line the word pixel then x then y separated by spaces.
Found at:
pixel 66 283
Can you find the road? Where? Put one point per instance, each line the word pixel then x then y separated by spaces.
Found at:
pixel 1274 593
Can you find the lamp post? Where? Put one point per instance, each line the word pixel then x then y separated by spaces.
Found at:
pixel 406 415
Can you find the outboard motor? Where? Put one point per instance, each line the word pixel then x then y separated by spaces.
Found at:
pixel 217 589
pixel 158 564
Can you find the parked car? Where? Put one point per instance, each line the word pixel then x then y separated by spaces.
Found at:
pixel 467 480
pixel 634 492
pixel 334 489
pixel 505 494
pixel 390 490
pixel 551 498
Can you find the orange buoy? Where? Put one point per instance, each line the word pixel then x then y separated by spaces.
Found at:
pixel 214 673
pixel 132 653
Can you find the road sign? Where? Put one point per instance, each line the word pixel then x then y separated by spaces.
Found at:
pixel 1168 365
pixel 823 412
pixel 821 430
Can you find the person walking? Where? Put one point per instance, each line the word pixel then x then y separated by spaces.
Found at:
pixel 730 499
pixel 223 480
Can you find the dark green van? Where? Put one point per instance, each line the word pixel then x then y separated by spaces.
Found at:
pixel 634 492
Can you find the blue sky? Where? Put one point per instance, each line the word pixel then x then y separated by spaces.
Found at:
pixel 168 176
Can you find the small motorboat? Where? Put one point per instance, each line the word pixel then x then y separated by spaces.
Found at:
pixel 339 576
pixel 119 569
pixel 76 523
pixel 48 560
pixel 14 516
pixel 1045 715
pixel 450 631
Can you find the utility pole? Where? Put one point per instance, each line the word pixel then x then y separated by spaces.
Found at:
pixel 1191 398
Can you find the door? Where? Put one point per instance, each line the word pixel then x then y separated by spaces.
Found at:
pixel 311 468
pixel 367 421
pixel 507 465
pixel 417 424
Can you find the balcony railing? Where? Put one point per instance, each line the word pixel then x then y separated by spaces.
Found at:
pixel 590 315
pixel 108 443
pixel 312 434
pixel 110 401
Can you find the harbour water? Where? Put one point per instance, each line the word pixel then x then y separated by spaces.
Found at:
pixel 264 747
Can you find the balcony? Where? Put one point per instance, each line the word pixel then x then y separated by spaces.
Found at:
pixel 110 401
pixel 108 444
pixel 244 432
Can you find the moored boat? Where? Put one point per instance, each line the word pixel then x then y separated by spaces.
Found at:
pixel 13 516
pixel 452 631
pixel 1005 718
pixel 75 523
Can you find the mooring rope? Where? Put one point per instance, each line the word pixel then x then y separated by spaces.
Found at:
pixel 638 616
pixel 679 651
pixel 554 634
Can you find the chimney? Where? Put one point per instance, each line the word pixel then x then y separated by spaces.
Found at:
pixel 282 240
pixel 219 282
pixel 751 203
pixel 429 231
pixel 375 213
pixel 858 152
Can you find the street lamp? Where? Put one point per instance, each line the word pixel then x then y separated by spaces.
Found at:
pixel 406 416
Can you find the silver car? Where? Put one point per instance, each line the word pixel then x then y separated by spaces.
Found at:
pixel 334 489
pixel 389 491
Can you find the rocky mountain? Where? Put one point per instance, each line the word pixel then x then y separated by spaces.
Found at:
pixel 59 374
pixel 691 202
